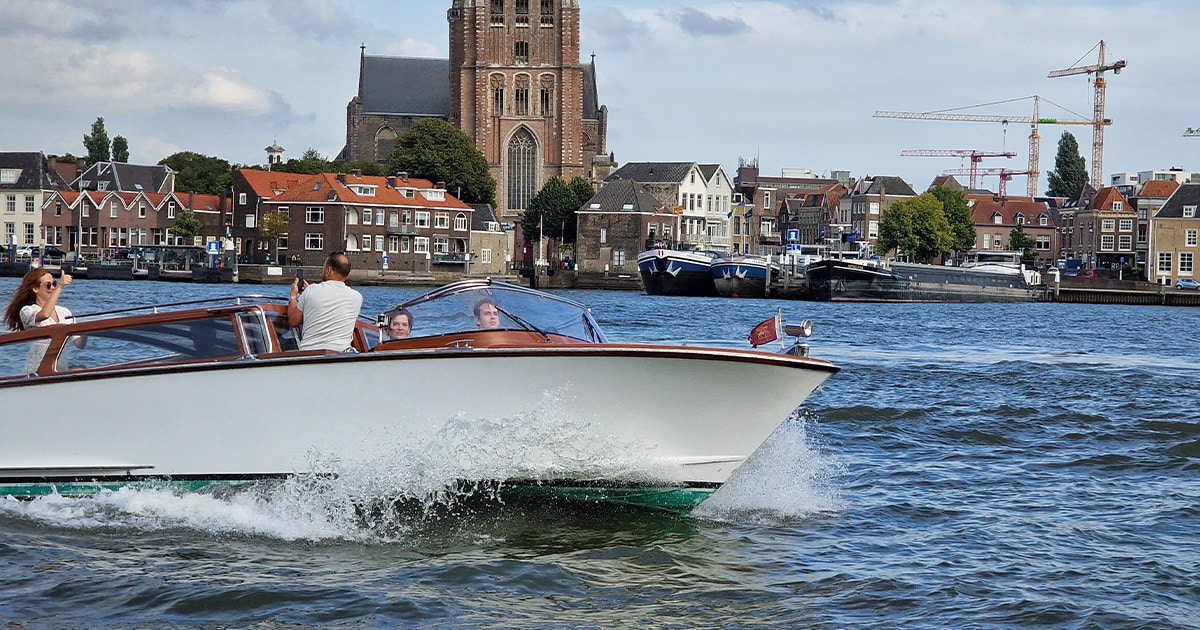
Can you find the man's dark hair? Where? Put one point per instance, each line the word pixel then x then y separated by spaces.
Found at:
pixel 481 302
pixel 339 264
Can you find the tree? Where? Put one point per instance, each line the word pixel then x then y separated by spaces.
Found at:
pixel 435 150
pixel 917 228
pixel 120 149
pixel 199 173
pixel 1019 240
pixel 96 143
pixel 1070 170
pixel 311 162
pixel 272 225
pixel 187 226
pixel 958 215
pixel 555 207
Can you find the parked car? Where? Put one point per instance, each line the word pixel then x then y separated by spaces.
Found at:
pixel 1187 283
pixel 1088 273
pixel 51 251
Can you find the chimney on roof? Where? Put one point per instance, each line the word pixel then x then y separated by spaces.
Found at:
pixel 341 177
pixel 391 180
pixel 441 186
pixel 357 173
pixel 403 175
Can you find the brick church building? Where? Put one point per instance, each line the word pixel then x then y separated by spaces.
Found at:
pixel 514 83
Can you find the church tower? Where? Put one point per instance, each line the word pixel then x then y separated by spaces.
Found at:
pixel 520 92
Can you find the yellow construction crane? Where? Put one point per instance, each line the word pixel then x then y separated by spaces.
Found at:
pixel 1034 121
pixel 1098 119
pixel 975 156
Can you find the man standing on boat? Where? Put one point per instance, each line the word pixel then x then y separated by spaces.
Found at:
pixel 326 312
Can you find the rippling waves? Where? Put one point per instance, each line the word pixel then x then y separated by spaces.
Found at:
pixel 972 466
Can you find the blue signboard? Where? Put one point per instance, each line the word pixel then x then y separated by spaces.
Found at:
pixel 793 236
pixel 214 247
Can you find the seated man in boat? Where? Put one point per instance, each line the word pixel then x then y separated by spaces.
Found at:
pixel 325 312
pixel 399 324
pixel 487 314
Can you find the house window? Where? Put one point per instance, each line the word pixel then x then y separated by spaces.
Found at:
pixel 421 245
pixel 1189 212
pixel 30 233
pixel 366 242
pixel 11 203
pixel 170 209
pixel 314 214
pixel 1042 220
pixel 314 241
pixel 1108 225
pixel 250 220
pixel 112 210
pixel 393 219
pixel 1185 262
pixel 1118 206
pixel 1164 262
pixel 460 222
pixel 603 235
pixel 619 257
pixel 405 244
pixel 282 241
pixel 351 217
pixel 378 242
pixel 1126 225
pixel 393 243
pixel 422 219
pixel 241 199
pixel 9 175
pixel 141 210
pixel 366 214
pixel 1126 242
pixel 1107 242
pixel 405 217
pixel 29 203
pixel 874 207
pixel 1189 237
pixel 1020 219
pixel 1043 243
pixel 379 216
pixel 441 220
pixel 441 245
pixel 997 219
pixel 10 232
pixel 666 231
pixel 873 229
pixel 58 208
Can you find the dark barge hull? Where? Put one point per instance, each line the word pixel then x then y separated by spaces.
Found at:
pixel 858 281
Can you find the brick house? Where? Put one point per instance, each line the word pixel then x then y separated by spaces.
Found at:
pixel 1100 230
pixel 699 195
pixel 621 220
pixel 995 219
pixel 1175 236
pixel 27 180
pixel 758 201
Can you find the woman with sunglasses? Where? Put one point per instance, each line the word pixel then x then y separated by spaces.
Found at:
pixel 36 301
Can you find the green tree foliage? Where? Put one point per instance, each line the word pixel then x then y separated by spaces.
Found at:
pixel 97 144
pixel 186 226
pixel 272 225
pixel 311 162
pixel 555 206
pixel 199 173
pixel 1019 240
pixel 916 228
pixel 435 150
pixel 120 149
pixel 1070 170
pixel 958 215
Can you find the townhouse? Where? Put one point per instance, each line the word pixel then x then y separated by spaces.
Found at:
pixel 1100 231
pixel 697 195
pixel 617 223
pixel 757 200
pixel 1175 236
pixel 995 219
pixel 27 180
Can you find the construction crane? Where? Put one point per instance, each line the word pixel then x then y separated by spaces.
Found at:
pixel 1098 119
pixel 1034 121
pixel 975 156
pixel 1003 173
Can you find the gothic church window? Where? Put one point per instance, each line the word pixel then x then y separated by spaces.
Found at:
pixel 547 13
pixel 497 12
pixel 545 95
pixel 521 96
pixel 497 95
pixel 521 52
pixel 522 169
pixel 385 143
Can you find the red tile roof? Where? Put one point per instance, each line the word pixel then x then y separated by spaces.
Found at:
pixel 326 188
pixel 1158 189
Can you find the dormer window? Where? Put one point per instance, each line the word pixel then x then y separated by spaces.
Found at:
pixel 409 193
pixel 9 175
pixel 997 218
pixel 1189 212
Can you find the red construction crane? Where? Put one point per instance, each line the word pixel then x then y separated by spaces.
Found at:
pixel 1034 121
pixel 975 156
pixel 1098 119
pixel 1003 173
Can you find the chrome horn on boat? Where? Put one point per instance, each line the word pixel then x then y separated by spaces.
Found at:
pixel 802 330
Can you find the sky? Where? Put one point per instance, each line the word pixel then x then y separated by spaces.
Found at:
pixel 789 83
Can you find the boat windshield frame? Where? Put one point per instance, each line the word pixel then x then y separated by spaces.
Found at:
pixel 450 310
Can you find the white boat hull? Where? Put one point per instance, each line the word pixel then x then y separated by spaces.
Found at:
pixel 653 414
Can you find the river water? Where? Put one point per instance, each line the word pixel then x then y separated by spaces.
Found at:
pixel 971 466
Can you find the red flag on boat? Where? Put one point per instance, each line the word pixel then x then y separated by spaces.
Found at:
pixel 765 332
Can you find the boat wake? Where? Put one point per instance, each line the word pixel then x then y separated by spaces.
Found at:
pixel 788 478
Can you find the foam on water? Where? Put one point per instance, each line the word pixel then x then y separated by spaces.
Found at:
pixel 788 477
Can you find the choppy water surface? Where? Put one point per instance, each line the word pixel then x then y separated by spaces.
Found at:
pixel 971 466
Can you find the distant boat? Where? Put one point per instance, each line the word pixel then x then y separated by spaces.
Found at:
pixel 992 277
pixel 742 276
pixel 677 272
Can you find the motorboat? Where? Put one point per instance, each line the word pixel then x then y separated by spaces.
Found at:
pixel 215 392
pixel 746 276
pixel 666 271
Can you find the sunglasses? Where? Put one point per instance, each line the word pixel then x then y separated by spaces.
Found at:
pixel 49 285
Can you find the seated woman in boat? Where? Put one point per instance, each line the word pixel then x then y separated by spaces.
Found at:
pixel 35 304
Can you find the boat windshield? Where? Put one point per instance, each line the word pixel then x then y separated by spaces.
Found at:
pixel 471 305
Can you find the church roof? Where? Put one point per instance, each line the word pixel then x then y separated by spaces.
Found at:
pixel 406 85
